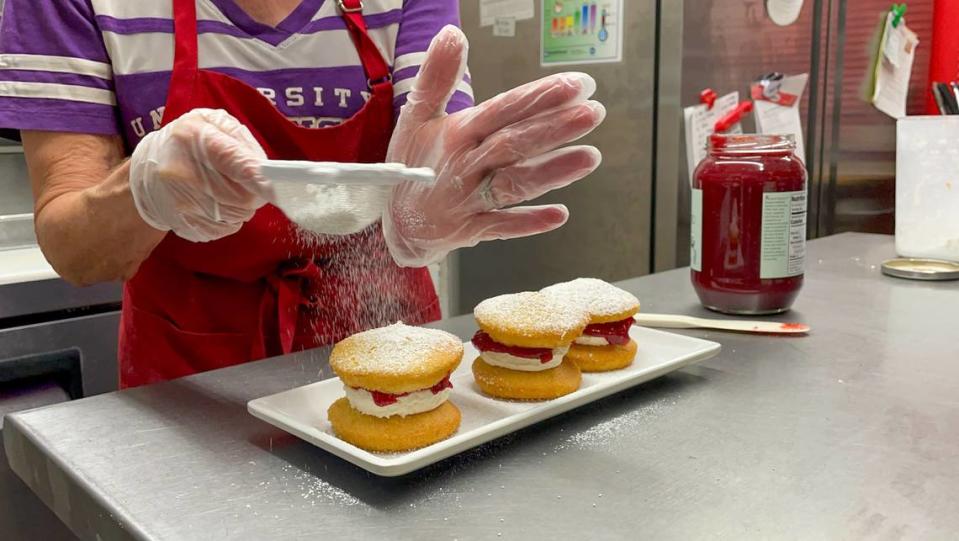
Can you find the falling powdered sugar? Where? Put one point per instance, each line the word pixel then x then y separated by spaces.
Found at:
pixel 338 227
pixel 331 209
pixel 600 298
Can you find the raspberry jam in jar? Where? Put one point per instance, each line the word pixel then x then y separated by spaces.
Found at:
pixel 748 226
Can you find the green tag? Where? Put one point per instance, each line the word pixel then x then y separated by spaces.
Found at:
pixel 696 231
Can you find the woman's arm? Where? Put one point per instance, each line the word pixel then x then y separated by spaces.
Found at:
pixel 97 219
pixel 87 224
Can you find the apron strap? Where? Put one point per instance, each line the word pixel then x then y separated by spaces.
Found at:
pixel 185 56
pixel 186 50
pixel 283 298
pixel 377 71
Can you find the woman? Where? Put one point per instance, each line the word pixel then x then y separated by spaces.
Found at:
pixel 200 91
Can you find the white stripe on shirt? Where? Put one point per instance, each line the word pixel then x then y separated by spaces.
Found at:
pixel 163 9
pixel 57 91
pixel 409 60
pixel 406 85
pixel 125 9
pixel 205 9
pixel 150 52
pixel 330 8
pixel 59 64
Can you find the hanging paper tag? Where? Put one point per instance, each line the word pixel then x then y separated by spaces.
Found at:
pixel 778 118
pixel 771 88
pixel 893 67
pixel 895 41
pixel 700 121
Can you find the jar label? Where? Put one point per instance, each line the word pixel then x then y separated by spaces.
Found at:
pixel 696 231
pixel 783 249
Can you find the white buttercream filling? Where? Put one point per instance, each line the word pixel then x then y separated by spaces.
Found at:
pixel 410 404
pixel 592 341
pixel 525 364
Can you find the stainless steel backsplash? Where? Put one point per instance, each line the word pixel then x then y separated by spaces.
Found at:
pixel 15 194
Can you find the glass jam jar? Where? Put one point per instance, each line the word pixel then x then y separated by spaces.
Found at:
pixel 748 224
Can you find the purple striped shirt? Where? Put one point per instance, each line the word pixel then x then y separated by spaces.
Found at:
pixel 103 66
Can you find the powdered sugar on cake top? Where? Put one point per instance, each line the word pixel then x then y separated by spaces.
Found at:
pixel 601 298
pixel 530 313
pixel 397 349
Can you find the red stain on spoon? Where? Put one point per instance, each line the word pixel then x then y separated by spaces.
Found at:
pixel 795 327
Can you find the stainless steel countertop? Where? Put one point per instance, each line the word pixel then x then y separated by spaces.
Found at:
pixel 851 432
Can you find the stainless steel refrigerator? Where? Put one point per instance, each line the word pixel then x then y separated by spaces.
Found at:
pixel 631 217
pixel 850 145
pixel 608 234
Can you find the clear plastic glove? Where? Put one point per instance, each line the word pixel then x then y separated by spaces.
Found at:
pixel 198 176
pixel 497 154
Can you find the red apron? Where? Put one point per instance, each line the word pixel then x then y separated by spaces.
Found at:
pixel 270 288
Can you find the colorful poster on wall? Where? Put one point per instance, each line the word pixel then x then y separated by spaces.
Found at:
pixel 581 32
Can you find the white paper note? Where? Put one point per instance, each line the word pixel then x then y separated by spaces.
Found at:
pixel 517 10
pixel 892 49
pixel 783 12
pixel 892 77
pixel 778 120
pixel 505 27
pixel 772 118
pixel 700 122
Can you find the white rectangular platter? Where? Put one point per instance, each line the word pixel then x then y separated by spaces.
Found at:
pixel 302 411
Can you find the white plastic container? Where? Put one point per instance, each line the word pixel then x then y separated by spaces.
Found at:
pixel 927 187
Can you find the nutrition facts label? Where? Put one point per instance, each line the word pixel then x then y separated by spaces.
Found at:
pixel 784 234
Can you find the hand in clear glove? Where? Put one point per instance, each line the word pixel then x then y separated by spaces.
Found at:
pixel 500 153
pixel 199 176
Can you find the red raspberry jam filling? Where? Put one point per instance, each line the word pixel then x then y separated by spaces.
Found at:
pixel 484 342
pixel 616 333
pixel 382 399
